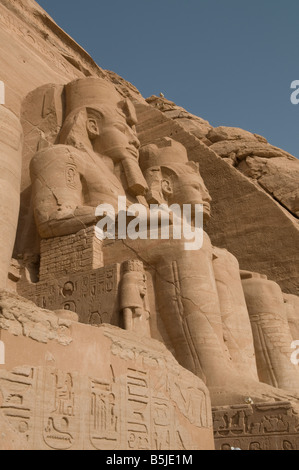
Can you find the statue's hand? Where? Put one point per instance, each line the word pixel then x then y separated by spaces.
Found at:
pixel 85 211
pixel 69 212
pixel 63 212
pixel 67 220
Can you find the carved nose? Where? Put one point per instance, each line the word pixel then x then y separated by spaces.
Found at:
pixel 134 141
pixel 207 197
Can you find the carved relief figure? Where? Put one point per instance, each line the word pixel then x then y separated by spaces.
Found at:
pixel 133 298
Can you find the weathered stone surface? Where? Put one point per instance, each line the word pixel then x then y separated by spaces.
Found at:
pixel 10 438
pixel 10 181
pixel 278 176
pixel 106 389
pixel 243 148
pixel 32 42
pixel 218 134
pixel 20 317
pixel 191 123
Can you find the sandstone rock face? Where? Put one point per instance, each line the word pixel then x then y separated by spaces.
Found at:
pixel 20 317
pixel 34 42
pixel 278 176
pixel 191 123
pixel 10 181
pixel 130 312
pixel 273 169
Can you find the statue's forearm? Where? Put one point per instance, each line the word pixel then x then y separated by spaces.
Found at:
pixel 60 224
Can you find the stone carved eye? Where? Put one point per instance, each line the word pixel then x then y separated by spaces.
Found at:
pixel 121 127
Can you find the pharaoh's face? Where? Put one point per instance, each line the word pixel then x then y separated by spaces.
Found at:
pixel 190 189
pixel 142 284
pixel 116 137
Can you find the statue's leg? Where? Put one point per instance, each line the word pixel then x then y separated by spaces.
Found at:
pixel 235 318
pixel 271 332
pixel 188 304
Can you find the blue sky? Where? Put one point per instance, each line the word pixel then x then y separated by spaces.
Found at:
pixel 228 61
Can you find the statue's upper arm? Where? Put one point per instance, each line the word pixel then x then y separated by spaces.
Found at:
pixel 56 181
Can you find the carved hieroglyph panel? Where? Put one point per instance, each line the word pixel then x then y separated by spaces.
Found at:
pixel 17 399
pixel 93 296
pixel 105 415
pixel 264 426
pixel 60 410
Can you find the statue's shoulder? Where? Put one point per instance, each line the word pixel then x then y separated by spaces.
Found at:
pixel 57 156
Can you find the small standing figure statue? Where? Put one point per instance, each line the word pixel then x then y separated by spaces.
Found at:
pixel 134 303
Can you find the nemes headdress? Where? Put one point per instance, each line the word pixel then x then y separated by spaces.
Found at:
pixel 90 92
pixel 133 265
pixel 162 152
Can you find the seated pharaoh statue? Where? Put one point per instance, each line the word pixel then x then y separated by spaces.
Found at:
pixel 227 327
pixel 95 162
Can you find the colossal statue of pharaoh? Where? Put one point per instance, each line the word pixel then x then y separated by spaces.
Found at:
pixel 196 299
pixel 95 162
pixel 230 328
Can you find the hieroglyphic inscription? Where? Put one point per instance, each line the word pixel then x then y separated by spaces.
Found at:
pixel 61 410
pixel 162 424
pixel 93 296
pixel 105 419
pixel 263 426
pixel 192 401
pixel 18 391
pixel 138 410
pixel 72 177
pixel 61 419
